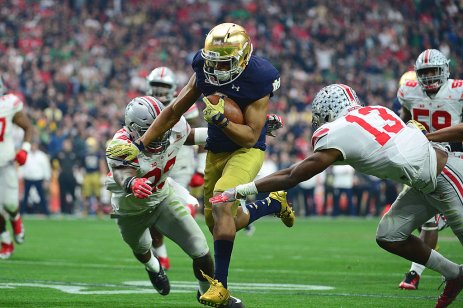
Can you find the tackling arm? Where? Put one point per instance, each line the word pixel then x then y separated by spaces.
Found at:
pixel 306 169
pixel 246 135
pixel 172 113
pixel 448 134
pixel 283 179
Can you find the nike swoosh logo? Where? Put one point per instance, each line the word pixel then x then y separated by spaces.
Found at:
pixel 237 300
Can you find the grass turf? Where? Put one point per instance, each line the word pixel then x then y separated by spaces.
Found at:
pixel 320 262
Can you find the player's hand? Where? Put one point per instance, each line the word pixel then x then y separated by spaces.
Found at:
pixel 128 151
pixel 417 125
pixel 21 157
pixel 197 180
pixel 214 114
pixel 140 188
pixel 274 122
pixel 229 195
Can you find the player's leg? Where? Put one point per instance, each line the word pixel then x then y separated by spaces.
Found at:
pixel 244 165
pixel 428 235
pixel 134 231
pixel 159 248
pixel 176 223
pixel 7 247
pixel 411 210
pixel 10 190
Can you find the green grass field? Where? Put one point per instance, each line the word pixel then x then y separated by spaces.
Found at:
pixel 318 263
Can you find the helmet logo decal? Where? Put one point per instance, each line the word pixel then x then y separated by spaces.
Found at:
pixel 426 56
pixel 348 92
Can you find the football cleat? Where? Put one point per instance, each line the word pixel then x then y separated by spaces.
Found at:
pixel 165 263
pixel 410 282
pixel 286 214
pixel 217 295
pixel 159 281
pixel 233 302
pixel 18 230
pixel 451 290
pixel 6 251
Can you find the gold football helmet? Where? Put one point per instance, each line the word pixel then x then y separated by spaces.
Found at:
pixel 407 76
pixel 226 52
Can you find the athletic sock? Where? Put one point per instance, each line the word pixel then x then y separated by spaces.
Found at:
pixel 263 207
pixel 222 254
pixel 203 286
pixel 417 268
pixel 153 265
pixel 5 237
pixel 443 265
pixel 161 251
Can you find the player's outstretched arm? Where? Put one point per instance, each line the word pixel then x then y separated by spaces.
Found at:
pixel 283 179
pixel 448 134
pixel 172 113
pixel 246 135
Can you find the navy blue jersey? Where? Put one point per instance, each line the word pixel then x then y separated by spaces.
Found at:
pixel 259 78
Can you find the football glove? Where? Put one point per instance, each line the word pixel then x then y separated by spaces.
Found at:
pixel 129 151
pixel 214 114
pixel 229 195
pixel 21 157
pixel 418 125
pixel 197 180
pixel 139 187
pixel 274 122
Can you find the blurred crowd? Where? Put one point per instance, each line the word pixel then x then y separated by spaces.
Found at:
pixel 77 63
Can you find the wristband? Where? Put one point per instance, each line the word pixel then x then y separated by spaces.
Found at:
pixel 26 146
pixel 247 189
pixel 200 135
pixel 127 184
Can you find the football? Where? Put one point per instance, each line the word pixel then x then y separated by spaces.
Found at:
pixel 232 111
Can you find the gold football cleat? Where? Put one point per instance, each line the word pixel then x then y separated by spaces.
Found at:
pixel 286 214
pixel 217 295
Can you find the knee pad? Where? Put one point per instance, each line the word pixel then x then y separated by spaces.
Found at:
pixel 11 207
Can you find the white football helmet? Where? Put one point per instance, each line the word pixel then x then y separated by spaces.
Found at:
pixel 332 102
pixel 162 84
pixel 139 114
pixel 432 59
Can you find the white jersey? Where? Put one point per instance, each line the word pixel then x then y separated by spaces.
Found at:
pixel 443 110
pixel 377 142
pixel 155 168
pixel 9 105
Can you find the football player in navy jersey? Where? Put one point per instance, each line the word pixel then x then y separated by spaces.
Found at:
pixel 235 151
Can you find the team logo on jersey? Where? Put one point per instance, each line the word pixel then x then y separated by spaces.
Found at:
pixel 237 88
pixel 276 84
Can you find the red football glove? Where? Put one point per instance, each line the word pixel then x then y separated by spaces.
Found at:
pixel 140 188
pixel 197 180
pixel 21 157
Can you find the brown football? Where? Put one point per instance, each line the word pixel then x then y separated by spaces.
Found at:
pixel 232 110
